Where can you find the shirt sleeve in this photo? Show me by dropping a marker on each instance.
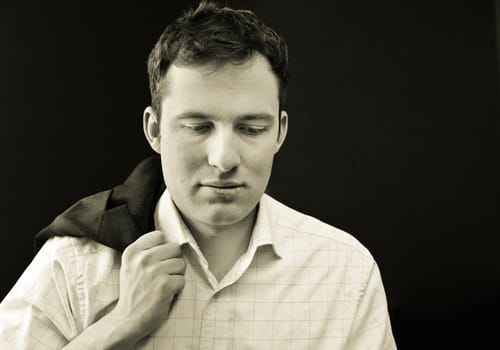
(39, 312)
(371, 327)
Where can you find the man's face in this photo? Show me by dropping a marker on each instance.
(218, 136)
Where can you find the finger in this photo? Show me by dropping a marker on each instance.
(149, 240)
(164, 251)
(176, 283)
(175, 266)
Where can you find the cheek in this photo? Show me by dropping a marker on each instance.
(261, 159)
(181, 160)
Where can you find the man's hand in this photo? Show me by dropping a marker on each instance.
(151, 274)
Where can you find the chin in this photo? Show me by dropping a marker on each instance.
(224, 216)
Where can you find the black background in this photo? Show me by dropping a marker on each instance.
(394, 136)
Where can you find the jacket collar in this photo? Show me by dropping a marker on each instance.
(115, 217)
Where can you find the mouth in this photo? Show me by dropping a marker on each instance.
(223, 185)
(226, 190)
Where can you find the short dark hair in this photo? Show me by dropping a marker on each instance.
(213, 33)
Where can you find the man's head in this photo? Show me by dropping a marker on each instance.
(219, 98)
(213, 34)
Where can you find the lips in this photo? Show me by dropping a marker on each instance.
(222, 184)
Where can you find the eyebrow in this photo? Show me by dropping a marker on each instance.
(205, 116)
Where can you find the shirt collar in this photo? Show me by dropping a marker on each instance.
(168, 220)
(265, 231)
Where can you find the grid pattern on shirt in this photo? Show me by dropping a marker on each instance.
(322, 292)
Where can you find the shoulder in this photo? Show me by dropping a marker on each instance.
(296, 226)
(68, 248)
(60, 285)
(80, 259)
(80, 264)
(84, 271)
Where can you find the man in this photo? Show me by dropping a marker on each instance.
(210, 262)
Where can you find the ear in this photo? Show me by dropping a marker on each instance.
(151, 126)
(283, 130)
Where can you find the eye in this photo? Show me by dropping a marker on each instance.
(252, 130)
(198, 128)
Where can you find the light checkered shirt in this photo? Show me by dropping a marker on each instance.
(302, 284)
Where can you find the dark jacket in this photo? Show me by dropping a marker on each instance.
(115, 217)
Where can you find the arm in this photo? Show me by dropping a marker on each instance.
(108, 333)
(371, 327)
(42, 310)
(25, 326)
(151, 274)
(36, 314)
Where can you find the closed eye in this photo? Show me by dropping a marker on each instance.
(252, 130)
(199, 128)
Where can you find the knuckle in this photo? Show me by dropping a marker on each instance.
(127, 253)
(136, 260)
(141, 260)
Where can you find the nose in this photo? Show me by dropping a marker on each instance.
(222, 151)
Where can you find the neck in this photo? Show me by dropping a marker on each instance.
(223, 245)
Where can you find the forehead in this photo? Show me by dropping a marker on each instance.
(223, 89)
